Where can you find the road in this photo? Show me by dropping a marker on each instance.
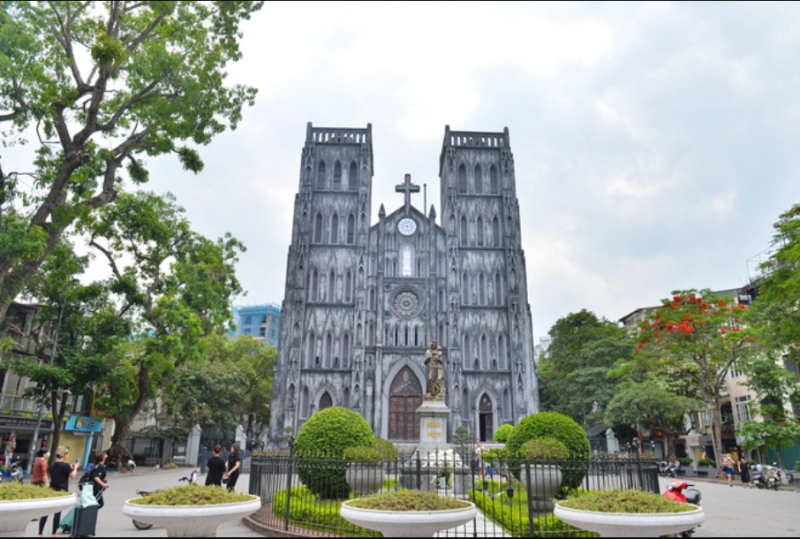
(112, 523)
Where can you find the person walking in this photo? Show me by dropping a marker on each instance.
(232, 466)
(216, 468)
(39, 472)
(727, 467)
(98, 475)
(60, 474)
(478, 460)
(744, 470)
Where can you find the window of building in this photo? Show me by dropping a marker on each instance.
(352, 178)
(496, 233)
(337, 176)
(335, 229)
(480, 231)
(736, 370)
(248, 320)
(318, 228)
(348, 288)
(464, 231)
(462, 179)
(465, 289)
(493, 182)
(351, 230)
(321, 175)
(743, 412)
(478, 180)
(481, 290)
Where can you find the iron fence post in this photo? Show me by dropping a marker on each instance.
(288, 484)
(419, 471)
(530, 497)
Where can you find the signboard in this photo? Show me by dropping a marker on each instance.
(24, 423)
(79, 423)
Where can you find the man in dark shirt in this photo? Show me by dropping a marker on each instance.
(99, 473)
(216, 468)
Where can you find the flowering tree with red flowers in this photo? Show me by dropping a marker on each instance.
(701, 329)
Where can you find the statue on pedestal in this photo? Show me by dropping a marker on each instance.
(433, 361)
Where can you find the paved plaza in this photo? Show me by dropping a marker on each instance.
(730, 512)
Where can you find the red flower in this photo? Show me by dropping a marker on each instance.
(722, 303)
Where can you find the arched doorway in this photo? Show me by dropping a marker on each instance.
(325, 401)
(486, 419)
(405, 396)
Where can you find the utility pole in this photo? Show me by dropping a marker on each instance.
(35, 440)
(427, 261)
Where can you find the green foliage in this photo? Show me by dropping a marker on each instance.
(312, 512)
(407, 500)
(461, 436)
(17, 491)
(386, 449)
(503, 432)
(561, 428)
(192, 495)
(154, 82)
(573, 375)
(552, 526)
(544, 450)
(707, 463)
(624, 501)
(685, 461)
(330, 432)
(362, 454)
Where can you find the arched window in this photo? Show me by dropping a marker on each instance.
(466, 353)
(498, 289)
(351, 230)
(464, 231)
(481, 290)
(501, 351)
(348, 288)
(304, 403)
(310, 349)
(327, 352)
(372, 304)
(331, 287)
(416, 336)
(478, 180)
(388, 267)
(506, 404)
(371, 334)
(346, 401)
(337, 176)
(335, 229)
(318, 228)
(440, 302)
(405, 336)
(352, 178)
(480, 232)
(466, 409)
(359, 335)
(484, 353)
(345, 351)
(407, 260)
(321, 175)
(496, 233)
(462, 179)
(314, 286)
(465, 289)
(325, 401)
(493, 183)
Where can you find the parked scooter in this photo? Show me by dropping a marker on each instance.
(665, 469)
(14, 473)
(676, 493)
(772, 476)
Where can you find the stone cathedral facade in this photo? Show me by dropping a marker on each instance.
(364, 299)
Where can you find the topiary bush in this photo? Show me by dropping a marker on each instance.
(561, 428)
(503, 433)
(387, 449)
(706, 463)
(325, 437)
(543, 450)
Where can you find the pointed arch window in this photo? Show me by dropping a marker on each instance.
(498, 289)
(481, 290)
(314, 286)
(465, 407)
(348, 288)
(337, 176)
(325, 401)
(480, 232)
(494, 184)
(304, 403)
(478, 180)
(318, 228)
(465, 289)
(310, 350)
(346, 350)
(372, 303)
(462, 179)
(466, 352)
(484, 353)
(351, 230)
(321, 175)
(440, 302)
(464, 231)
(335, 229)
(496, 232)
(327, 352)
(331, 287)
(501, 351)
(352, 178)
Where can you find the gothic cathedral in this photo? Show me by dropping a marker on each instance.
(363, 300)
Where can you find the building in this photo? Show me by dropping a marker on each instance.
(260, 321)
(363, 299)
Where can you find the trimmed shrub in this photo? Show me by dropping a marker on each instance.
(387, 449)
(503, 433)
(327, 435)
(707, 463)
(543, 449)
(308, 511)
(685, 461)
(362, 454)
(561, 428)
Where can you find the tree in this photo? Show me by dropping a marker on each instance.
(573, 376)
(769, 425)
(700, 330)
(103, 85)
(175, 287)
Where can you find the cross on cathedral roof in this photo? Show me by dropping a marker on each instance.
(407, 188)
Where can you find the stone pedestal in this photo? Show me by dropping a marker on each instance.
(433, 417)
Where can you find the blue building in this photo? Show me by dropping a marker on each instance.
(260, 321)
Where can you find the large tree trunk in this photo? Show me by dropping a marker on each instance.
(781, 465)
(118, 450)
(58, 409)
(719, 449)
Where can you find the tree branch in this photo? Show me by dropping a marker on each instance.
(111, 261)
(145, 33)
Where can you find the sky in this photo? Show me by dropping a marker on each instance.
(655, 144)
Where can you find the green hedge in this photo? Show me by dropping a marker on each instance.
(307, 510)
(503, 433)
(326, 435)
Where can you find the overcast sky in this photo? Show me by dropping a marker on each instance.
(655, 144)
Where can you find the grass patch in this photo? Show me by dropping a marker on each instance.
(192, 495)
(16, 492)
(408, 500)
(624, 501)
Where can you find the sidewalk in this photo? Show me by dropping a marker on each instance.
(737, 482)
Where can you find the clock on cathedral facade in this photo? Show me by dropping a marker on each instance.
(363, 300)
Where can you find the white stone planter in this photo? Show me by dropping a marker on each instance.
(16, 515)
(191, 520)
(545, 483)
(631, 525)
(364, 478)
(408, 523)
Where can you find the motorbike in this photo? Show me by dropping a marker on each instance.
(665, 469)
(680, 492)
(14, 473)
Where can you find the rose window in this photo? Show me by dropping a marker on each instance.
(406, 303)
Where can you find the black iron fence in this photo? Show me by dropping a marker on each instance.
(515, 497)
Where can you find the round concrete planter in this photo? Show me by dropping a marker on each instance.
(364, 478)
(631, 525)
(545, 483)
(191, 520)
(16, 515)
(408, 523)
